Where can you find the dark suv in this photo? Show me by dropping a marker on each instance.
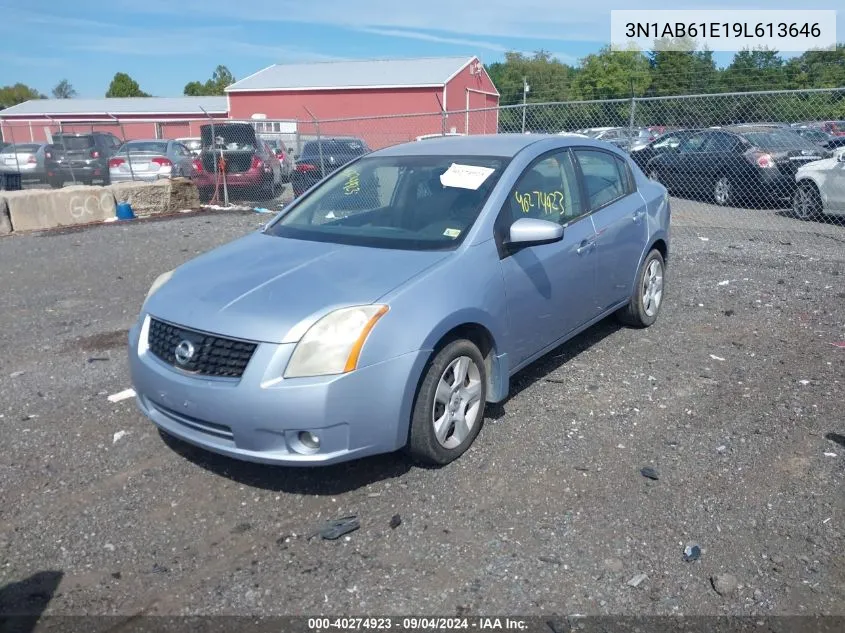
(82, 158)
(335, 153)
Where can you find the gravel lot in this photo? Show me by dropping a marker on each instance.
(734, 397)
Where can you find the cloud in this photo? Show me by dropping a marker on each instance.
(436, 39)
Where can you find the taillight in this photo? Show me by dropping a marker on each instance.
(116, 162)
(306, 167)
(31, 160)
(48, 155)
(95, 154)
(765, 161)
(162, 162)
(256, 163)
(197, 165)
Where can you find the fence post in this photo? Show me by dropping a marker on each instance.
(319, 141)
(128, 153)
(631, 121)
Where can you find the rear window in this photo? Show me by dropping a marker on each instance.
(777, 140)
(193, 145)
(22, 149)
(342, 148)
(145, 147)
(73, 142)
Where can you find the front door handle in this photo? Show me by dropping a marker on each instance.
(585, 247)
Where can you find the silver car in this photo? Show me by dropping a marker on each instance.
(385, 307)
(26, 158)
(151, 160)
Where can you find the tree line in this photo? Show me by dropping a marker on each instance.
(609, 74)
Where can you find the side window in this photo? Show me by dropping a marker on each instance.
(605, 176)
(693, 144)
(547, 190)
(670, 141)
(721, 143)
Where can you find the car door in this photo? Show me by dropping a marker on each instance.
(618, 215)
(549, 287)
(681, 163)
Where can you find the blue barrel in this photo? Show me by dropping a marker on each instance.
(124, 211)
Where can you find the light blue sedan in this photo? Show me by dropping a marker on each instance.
(385, 307)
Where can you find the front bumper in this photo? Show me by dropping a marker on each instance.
(259, 416)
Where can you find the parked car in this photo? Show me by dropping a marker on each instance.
(736, 162)
(250, 168)
(834, 143)
(284, 155)
(26, 159)
(814, 135)
(821, 188)
(83, 158)
(193, 143)
(664, 143)
(617, 136)
(151, 159)
(424, 137)
(363, 321)
(335, 153)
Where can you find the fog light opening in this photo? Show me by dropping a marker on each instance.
(309, 440)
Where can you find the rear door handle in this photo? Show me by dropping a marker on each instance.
(585, 247)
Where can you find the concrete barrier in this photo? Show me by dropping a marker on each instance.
(5, 222)
(161, 196)
(39, 209)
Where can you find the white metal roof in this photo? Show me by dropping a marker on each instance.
(131, 105)
(367, 73)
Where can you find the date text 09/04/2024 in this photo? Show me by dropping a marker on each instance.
(715, 30)
(416, 624)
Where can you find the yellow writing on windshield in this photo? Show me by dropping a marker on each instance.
(353, 182)
(547, 202)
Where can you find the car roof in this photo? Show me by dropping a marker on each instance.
(506, 145)
(742, 129)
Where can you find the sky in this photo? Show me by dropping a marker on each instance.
(164, 44)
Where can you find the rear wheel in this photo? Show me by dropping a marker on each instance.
(723, 191)
(449, 406)
(645, 305)
(807, 202)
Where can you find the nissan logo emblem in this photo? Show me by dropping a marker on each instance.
(184, 352)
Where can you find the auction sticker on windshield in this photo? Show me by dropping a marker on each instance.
(465, 176)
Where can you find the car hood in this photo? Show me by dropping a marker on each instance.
(260, 286)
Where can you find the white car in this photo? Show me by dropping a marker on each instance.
(821, 188)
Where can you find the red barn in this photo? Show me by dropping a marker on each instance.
(383, 101)
(129, 118)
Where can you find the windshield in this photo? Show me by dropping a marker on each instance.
(814, 135)
(778, 140)
(73, 142)
(403, 202)
(145, 147)
(339, 147)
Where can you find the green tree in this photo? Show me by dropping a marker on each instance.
(612, 74)
(681, 70)
(122, 85)
(761, 69)
(216, 86)
(18, 93)
(64, 90)
(818, 69)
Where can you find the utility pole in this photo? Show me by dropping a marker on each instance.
(525, 90)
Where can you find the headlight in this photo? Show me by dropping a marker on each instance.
(333, 344)
(159, 282)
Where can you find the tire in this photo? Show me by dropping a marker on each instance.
(54, 183)
(459, 411)
(723, 191)
(807, 202)
(640, 311)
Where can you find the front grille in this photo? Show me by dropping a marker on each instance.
(213, 355)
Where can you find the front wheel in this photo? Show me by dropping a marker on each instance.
(644, 306)
(449, 407)
(806, 202)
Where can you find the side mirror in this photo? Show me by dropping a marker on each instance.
(533, 232)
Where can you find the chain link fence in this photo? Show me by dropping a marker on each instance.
(750, 161)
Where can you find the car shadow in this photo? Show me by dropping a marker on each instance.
(349, 476)
(826, 218)
(22, 603)
(303, 480)
(542, 368)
